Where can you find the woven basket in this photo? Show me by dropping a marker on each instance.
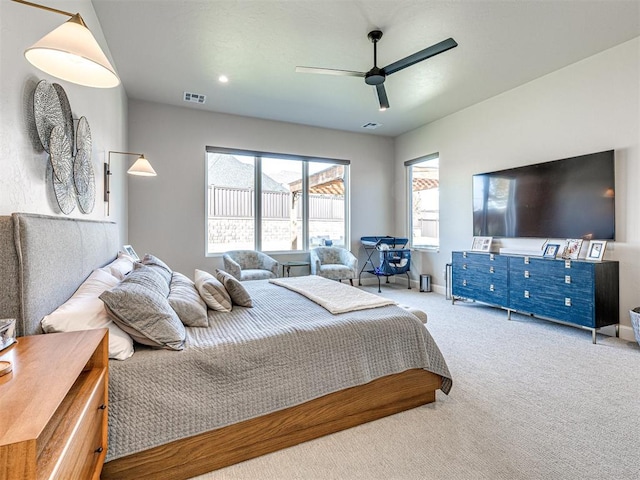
(635, 322)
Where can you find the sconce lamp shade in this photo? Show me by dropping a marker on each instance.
(142, 167)
(70, 52)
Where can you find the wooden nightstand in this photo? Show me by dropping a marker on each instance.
(53, 406)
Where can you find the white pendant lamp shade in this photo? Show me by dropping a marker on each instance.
(70, 52)
(142, 167)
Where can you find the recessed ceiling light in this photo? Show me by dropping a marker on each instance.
(223, 79)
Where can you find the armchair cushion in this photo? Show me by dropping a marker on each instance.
(334, 263)
(249, 265)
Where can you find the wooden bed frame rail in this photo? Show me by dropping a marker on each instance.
(226, 446)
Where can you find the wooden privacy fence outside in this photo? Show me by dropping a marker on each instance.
(239, 202)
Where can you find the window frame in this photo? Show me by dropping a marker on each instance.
(409, 199)
(306, 160)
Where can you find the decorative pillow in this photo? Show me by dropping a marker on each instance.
(187, 302)
(84, 311)
(142, 310)
(121, 266)
(237, 292)
(152, 277)
(162, 267)
(212, 292)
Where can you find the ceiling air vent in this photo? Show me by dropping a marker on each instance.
(194, 98)
(371, 125)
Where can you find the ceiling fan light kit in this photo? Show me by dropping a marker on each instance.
(376, 76)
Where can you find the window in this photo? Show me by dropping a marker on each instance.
(424, 207)
(274, 202)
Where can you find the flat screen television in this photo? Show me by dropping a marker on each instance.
(569, 198)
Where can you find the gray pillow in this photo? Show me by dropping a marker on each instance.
(159, 265)
(237, 292)
(150, 276)
(186, 301)
(212, 292)
(142, 310)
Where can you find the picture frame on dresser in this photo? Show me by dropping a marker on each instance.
(481, 244)
(596, 250)
(551, 250)
(572, 248)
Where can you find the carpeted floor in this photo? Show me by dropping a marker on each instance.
(530, 400)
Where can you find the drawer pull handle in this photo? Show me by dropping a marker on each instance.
(102, 407)
(492, 257)
(491, 270)
(526, 260)
(526, 294)
(567, 279)
(567, 302)
(464, 266)
(99, 450)
(491, 289)
(526, 274)
(567, 264)
(464, 254)
(464, 283)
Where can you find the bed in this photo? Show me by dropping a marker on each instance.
(254, 381)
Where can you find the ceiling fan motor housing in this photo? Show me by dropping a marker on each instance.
(375, 76)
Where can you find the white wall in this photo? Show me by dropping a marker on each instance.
(25, 180)
(587, 107)
(167, 212)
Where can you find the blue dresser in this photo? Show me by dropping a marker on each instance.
(576, 292)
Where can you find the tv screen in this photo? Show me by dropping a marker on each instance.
(569, 198)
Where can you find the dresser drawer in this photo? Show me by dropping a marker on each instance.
(74, 447)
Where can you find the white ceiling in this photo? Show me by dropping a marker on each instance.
(162, 48)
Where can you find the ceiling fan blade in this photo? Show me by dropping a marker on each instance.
(329, 71)
(428, 52)
(382, 96)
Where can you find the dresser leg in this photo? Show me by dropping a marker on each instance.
(593, 335)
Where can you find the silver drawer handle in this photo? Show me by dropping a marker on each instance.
(567, 264)
(526, 274)
(491, 270)
(567, 279)
(491, 289)
(526, 294)
(567, 302)
(464, 283)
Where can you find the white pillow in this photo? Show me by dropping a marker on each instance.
(120, 267)
(212, 291)
(85, 311)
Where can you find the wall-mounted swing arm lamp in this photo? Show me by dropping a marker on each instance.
(71, 52)
(141, 167)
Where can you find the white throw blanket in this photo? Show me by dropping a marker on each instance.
(336, 297)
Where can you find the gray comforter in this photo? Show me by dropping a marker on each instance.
(284, 351)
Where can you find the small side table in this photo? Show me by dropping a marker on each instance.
(288, 265)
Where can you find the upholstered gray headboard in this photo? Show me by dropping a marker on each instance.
(43, 260)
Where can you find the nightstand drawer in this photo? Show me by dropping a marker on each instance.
(84, 447)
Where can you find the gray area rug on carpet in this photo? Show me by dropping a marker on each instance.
(530, 400)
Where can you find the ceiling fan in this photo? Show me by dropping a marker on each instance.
(376, 76)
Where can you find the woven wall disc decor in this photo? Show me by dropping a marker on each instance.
(69, 150)
(62, 166)
(47, 111)
(83, 175)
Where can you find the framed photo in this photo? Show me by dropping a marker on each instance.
(572, 248)
(596, 250)
(551, 250)
(481, 244)
(128, 249)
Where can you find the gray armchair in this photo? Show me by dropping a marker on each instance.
(250, 265)
(334, 263)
